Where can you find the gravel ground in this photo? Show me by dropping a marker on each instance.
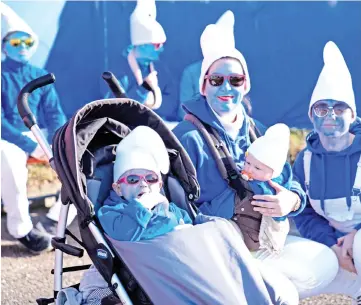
(26, 277)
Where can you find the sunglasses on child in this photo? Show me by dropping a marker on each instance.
(135, 179)
(216, 80)
(322, 109)
(16, 42)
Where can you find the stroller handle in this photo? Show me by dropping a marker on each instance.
(23, 105)
(29, 118)
(114, 84)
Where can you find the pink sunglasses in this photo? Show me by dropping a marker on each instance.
(135, 179)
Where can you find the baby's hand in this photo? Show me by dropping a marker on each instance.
(150, 200)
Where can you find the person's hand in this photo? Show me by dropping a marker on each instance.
(346, 243)
(154, 97)
(277, 205)
(346, 261)
(39, 154)
(150, 200)
(152, 79)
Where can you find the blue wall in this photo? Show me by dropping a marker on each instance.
(282, 43)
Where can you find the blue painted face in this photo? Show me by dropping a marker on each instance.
(226, 98)
(146, 53)
(19, 46)
(335, 122)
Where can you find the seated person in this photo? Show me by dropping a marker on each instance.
(19, 43)
(135, 209)
(266, 163)
(329, 170)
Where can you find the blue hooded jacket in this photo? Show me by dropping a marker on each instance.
(217, 197)
(332, 175)
(43, 102)
(131, 221)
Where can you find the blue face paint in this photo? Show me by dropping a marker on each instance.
(21, 53)
(332, 125)
(147, 53)
(225, 98)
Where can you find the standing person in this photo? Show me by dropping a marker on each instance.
(19, 43)
(329, 170)
(144, 77)
(223, 83)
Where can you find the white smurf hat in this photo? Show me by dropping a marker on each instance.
(335, 80)
(11, 22)
(217, 41)
(272, 148)
(143, 148)
(144, 28)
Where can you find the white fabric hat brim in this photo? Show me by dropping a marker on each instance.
(212, 58)
(143, 148)
(11, 22)
(144, 28)
(272, 148)
(334, 81)
(217, 41)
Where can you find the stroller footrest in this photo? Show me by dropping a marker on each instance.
(59, 243)
(44, 301)
(74, 268)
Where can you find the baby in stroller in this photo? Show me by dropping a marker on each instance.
(136, 202)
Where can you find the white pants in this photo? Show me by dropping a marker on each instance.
(14, 176)
(311, 266)
(346, 282)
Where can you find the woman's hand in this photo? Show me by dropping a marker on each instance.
(346, 243)
(278, 205)
(345, 261)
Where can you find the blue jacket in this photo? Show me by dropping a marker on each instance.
(332, 175)
(170, 109)
(43, 102)
(131, 221)
(264, 188)
(217, 197)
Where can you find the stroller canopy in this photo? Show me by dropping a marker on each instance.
(101, 124)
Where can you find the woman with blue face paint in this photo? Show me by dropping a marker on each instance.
(19, 43)
(329, 170)
(143, 76)
(223, 83)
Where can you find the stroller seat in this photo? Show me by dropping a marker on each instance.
(100, 178)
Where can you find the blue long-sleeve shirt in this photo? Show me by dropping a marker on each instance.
(43, 102)
(217, 197)
(131, 221)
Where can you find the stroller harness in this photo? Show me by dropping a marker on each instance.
(248, 220)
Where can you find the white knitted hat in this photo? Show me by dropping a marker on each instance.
(144, 27)
(11, 22)
(272, 148)
(217, 41)
(335, 80)
(142, 148)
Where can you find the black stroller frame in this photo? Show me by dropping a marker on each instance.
(74, 190)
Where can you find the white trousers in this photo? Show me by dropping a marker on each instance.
(346, 282)
(311, 266)
(14, 176)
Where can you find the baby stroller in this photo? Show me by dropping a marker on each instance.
(82, 154)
